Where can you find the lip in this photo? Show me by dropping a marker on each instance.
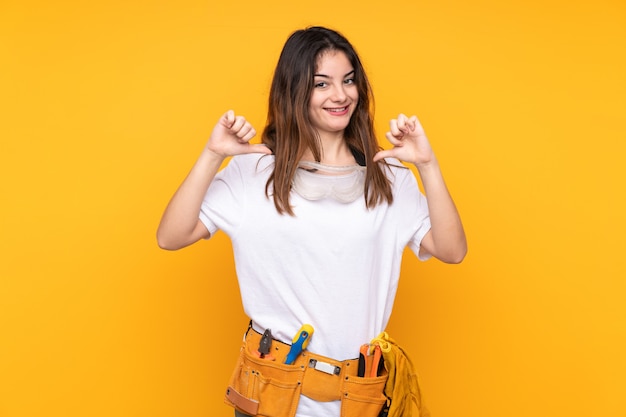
(337, 111)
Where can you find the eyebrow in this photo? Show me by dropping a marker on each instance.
(328, 76)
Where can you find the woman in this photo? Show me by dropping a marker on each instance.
(318, 214)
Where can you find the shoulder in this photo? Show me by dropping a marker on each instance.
(252, 163)
(394, 164)
(402, 178)
(396, 170)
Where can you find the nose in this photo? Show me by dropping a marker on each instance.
(339, 93)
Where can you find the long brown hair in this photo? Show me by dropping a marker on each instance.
(289, 131)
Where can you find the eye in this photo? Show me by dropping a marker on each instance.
(320, 84)
(348, 81)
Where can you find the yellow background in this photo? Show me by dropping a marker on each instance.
(106, 105)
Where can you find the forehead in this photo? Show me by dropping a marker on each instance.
(333, 59)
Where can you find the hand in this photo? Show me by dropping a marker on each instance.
(409, 141)
(231, 136)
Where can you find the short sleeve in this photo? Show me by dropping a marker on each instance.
(222, 204)
(413, 208)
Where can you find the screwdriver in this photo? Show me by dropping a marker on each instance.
(299, 343)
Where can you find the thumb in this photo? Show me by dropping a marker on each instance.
(382, 154)
(257, 148)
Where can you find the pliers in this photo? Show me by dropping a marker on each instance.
(369, 359)
(263, 351)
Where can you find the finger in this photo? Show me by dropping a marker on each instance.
(228, 119)
(403, 123)
(247, 133)
(242, 130)
(418, 125)
(412, 123)
(393, 128)
(239, 122)
(394, 140)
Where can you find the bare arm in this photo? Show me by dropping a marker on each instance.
(446, 239)
(180, 225)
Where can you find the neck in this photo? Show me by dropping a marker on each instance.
(334, 151)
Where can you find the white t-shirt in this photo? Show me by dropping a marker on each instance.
(333, 265)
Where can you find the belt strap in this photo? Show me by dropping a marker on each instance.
(248, 405)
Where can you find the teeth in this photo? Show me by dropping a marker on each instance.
(337, 110)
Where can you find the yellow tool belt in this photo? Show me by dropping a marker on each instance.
(268, 387)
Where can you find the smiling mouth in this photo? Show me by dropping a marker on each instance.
(337, 110)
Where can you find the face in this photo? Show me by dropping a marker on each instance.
(334, 95)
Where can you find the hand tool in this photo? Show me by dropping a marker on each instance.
(362, 361)
(263, 351)
(299, 343)
(375, 361)
(369, 360)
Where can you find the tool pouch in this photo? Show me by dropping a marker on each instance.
(363, 397)
(269, 388)
(261, 387)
